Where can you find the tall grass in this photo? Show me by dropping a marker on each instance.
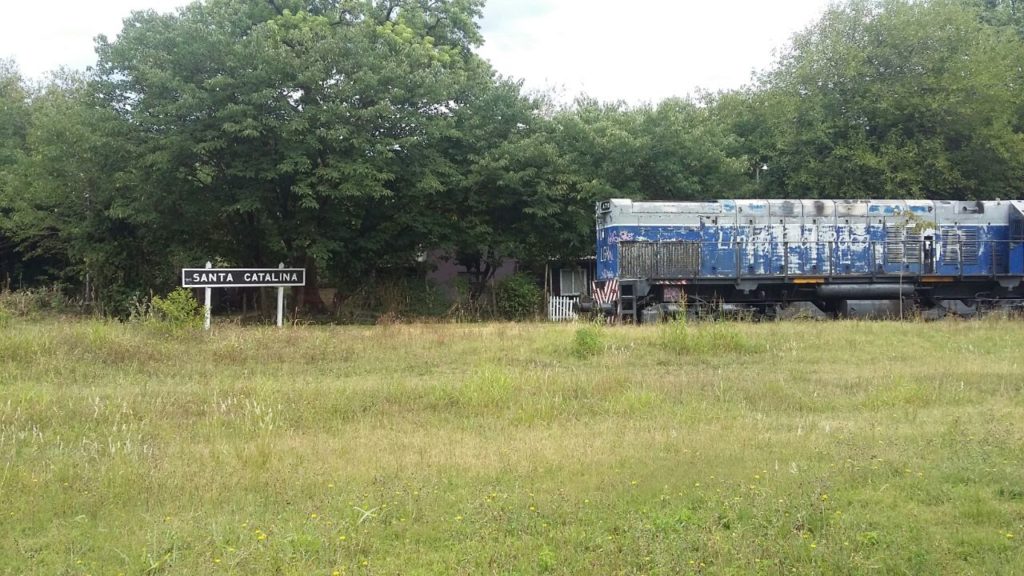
(841, 447)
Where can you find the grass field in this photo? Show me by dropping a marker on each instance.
(824, 448)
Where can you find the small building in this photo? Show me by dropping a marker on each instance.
(565, 283)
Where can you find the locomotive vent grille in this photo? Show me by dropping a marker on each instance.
(902, 244)
(676, 259)
(970, 245)
(960, 246)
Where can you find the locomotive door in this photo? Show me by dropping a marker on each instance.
(928, 254)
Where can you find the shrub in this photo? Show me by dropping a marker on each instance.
(38, 301)
(178, 310)
(518, 297)
(587, 342)
(390, 300)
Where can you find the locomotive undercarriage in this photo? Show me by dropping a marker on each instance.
(782, 298)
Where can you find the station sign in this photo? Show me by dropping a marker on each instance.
(242, 277)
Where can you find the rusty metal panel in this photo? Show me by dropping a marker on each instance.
(678, 259)
(636, 259)
(674, 259)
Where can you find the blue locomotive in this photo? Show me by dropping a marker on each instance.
(843, 257)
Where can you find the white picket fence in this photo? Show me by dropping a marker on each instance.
(560, 308)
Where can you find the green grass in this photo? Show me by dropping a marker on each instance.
(837, 448)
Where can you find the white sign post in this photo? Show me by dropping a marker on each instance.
(280, 302)
(210, 278)
(208, 309)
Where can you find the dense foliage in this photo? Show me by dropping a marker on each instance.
(351, 136)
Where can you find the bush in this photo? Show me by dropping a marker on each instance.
(518, 298)
(178, 310)
(390, 300)
(38, 301)
(587, 342)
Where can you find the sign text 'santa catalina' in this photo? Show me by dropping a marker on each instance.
(237, 277)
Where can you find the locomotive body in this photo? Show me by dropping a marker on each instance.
(839, 255)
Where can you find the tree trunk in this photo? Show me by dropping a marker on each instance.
(308, 296)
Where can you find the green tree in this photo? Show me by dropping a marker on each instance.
(68, 197)
(892, 99)
(14, 98)
(300, 131)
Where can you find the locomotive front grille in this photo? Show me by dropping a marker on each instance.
(676, 259)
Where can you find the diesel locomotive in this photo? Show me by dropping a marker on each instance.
(838, 257)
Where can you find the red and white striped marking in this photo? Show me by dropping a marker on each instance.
(607, 293)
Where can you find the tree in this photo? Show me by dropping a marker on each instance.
(894, 99)
(67, 196)
(286, 130)
(13, 129)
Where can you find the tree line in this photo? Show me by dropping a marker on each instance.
(352, 136)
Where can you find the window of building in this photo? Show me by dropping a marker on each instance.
(573, 281)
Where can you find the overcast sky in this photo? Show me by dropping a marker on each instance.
(612, 50)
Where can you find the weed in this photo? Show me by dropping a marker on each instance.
(706, 338)
(587, 342)
(179, 310)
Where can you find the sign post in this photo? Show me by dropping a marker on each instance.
(208, 308)
(280, 302)
(210, 278)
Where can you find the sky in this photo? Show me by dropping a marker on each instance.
(610, 50)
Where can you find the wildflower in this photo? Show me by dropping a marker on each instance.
(632, 483)
(341, 538)
(313, 516)
(1009, 535)
(458, 518)
(216, 560)
(336, 573)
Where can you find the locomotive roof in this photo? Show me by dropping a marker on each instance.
(806, 206)
(668, 212)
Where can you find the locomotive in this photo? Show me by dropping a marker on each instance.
(854, 258)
